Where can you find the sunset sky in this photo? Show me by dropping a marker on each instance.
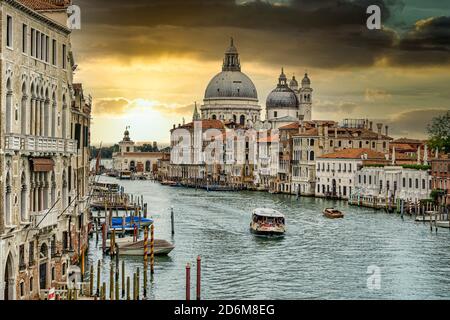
(145, 62)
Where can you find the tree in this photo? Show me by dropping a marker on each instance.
(439, 132)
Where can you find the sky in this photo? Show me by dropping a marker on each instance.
(146, 62)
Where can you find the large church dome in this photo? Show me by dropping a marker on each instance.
(231, 95)
(282, 96)
(231, 85)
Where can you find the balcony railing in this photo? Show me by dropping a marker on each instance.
(45, 219)
(16, 142)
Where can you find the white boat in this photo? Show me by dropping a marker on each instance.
(427, 217)
(119, 241)
(443, 224)
(162, 247)
(268, 222)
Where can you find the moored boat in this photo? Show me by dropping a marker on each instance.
(143, 222)
(268, 222)
(333, 213)
(169, 183)
(161, 247)
(443, 224)
(125, 175)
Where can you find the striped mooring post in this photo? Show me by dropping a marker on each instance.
(152, 249)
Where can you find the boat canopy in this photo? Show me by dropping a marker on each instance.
(270, 213)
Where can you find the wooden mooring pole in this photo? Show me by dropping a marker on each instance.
(152, 249)
(172, 222)
(199, 272)
(188, 282)
(98, 278)
(145, 260)
(91, 281)
(123, 278)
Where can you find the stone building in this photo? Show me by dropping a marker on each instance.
(440, 171)
(41, 172)
(386, 184)
(336, 172)
(130, 159)
(317, 138)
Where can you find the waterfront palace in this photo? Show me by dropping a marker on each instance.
(44, 141)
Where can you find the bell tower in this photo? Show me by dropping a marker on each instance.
(126, 145)
(305, 97)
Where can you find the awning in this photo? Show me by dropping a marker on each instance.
(42, 164)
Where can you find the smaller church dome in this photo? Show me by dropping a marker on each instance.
(282, 96)
(306, 82)
(293, 84)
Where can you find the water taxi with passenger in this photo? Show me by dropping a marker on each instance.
(268, 222)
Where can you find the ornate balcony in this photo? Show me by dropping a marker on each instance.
(17, 142)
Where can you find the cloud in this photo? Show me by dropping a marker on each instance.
(114, 106)
(373, 95)
(333, 108)
(427, 44)
(269, 32)
(412, 123)
(121, 106)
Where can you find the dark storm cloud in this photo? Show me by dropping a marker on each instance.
(316, 33)
(412, 123)
(428, 43)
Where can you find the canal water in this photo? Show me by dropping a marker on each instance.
(318, 258)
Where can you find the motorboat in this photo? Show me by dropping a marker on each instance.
(143, 222)
(268, 222)
(125, 175)
(126, 248)
(332, 213)
(169, 183)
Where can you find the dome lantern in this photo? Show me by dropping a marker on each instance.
(231, 61)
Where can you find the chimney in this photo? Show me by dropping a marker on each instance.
(371, 126)
(393, 156)
(418, 155)
(387, 130)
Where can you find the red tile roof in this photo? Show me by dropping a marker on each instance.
(290, 126)
(354, 154)
(45, 4)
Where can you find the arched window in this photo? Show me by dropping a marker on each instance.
(46, 120)
(242, 120)
(311, 156)
(8, 214)
(132, 165)
(214, 117)
(9, 106)
(24, 110)
(32, 111)
(64, 118)
(148, 166)
(234, 118)
(23, 198)
(64, 190)
(53, 190)
(53, 121)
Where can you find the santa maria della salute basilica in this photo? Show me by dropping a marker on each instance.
(231, 96)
